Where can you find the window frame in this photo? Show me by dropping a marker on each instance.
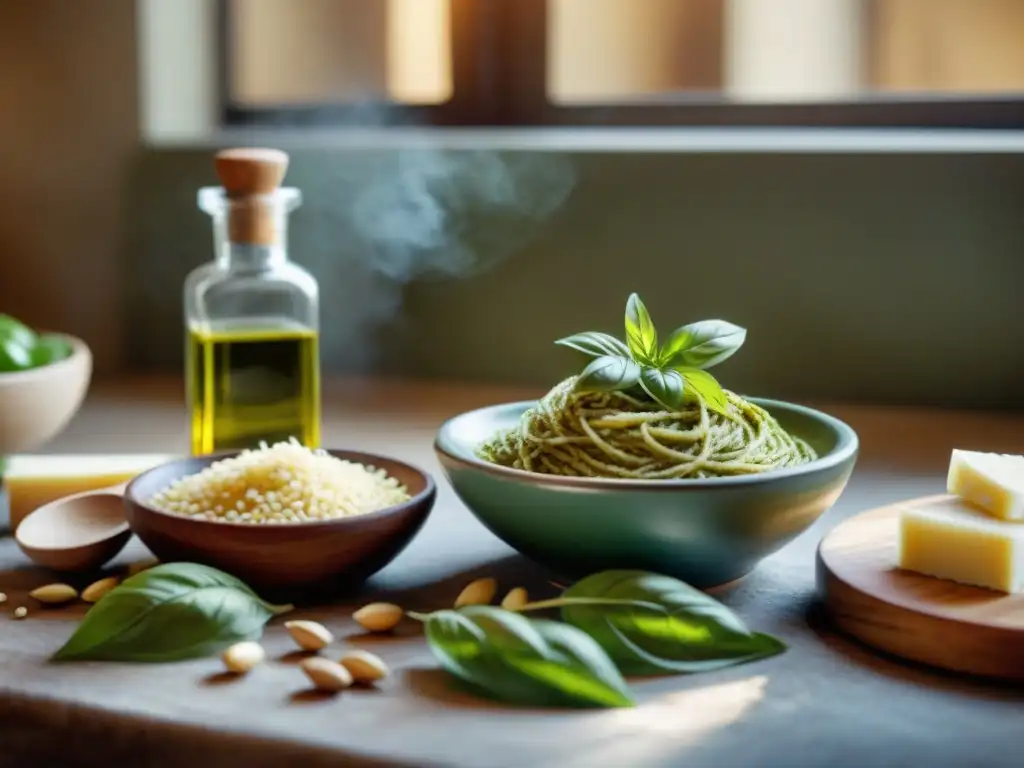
(499, 80)
(481, 34)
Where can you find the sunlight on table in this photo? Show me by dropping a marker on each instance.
(673, 720)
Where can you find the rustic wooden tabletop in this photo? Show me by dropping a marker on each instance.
(827, 701)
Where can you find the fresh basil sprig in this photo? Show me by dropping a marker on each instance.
(669, 373)
(508, 657)
(614, 623)
(653, 624)
(170, 612)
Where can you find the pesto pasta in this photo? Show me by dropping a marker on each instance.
(615, 434)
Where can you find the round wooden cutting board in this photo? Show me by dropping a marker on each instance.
(933, 621)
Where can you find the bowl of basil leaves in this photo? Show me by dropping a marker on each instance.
(43, 381)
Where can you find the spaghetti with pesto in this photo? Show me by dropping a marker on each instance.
(617, 435)
(648, 411)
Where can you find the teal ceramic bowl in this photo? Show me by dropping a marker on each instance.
(705, 532)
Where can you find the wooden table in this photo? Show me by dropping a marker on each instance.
(826, 701)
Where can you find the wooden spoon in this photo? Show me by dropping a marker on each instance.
(80, 532)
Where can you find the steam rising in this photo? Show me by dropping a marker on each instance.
(454, 212)
(410, 212)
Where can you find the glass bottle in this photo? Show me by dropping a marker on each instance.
(251, 316)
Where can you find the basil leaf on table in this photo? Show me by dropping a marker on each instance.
(170, 612)
(655, 624)
(510, 658)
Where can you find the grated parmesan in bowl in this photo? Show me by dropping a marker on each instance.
(280, 484)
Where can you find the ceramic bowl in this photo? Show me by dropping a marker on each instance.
(36, 405)
(705, 532)
(330, 553)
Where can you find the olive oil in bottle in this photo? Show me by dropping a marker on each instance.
(252, 326)
(253, 383)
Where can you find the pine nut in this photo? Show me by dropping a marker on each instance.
(242, 657)
(479, 592)
(326, 675)
(309, 635)
(378, 617)
(364, 666)
(515, 599)
(54, 594)
(98, 589)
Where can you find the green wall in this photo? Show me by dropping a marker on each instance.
(870, 277)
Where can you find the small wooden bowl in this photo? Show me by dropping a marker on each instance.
(283, 557)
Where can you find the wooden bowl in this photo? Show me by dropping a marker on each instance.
(35, 405)
(282, 557)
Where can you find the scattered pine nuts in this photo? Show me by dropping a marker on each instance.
(98, 589)
(515, 599)
(364, 667)
(326, 675)
(54, 594)
(3, 597)
(20, 612)
(242, 657)
(378, 617)
(309, 635)
(479, 592)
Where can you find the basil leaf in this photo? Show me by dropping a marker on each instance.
(170, 612)
(595, 344)
(507, 657)
(706, 386)
(17, 331)
(641, 336)
(608, 374)
(667, 627)
(13, 355)
(49, 349)
(665, 387)
(702, 345)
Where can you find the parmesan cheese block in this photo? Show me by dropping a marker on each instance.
(949, 539)
(993, 482)
(34, 480)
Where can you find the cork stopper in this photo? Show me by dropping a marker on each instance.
(250, 178)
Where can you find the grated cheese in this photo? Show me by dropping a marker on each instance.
(282, 483)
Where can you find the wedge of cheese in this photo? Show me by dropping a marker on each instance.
(993, 482)
(34, 480)
(950, 539)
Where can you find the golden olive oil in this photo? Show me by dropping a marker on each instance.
(249, 383)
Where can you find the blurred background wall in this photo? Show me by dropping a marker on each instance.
(883, 276)
(68, 138)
